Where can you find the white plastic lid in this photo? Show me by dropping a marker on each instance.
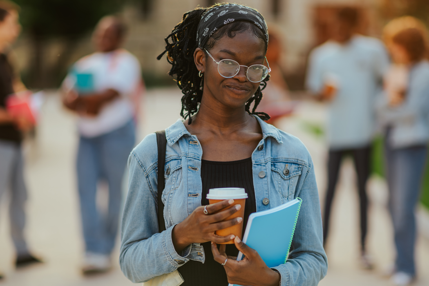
(226, 194)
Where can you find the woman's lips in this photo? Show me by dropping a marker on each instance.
(237, 89)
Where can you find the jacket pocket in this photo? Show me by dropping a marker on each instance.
(285, 177)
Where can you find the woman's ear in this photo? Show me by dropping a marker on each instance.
(200, 60)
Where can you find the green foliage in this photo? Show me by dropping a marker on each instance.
(60, 18)
(377, 157)
(313, 128)
(425, 190)
(152, 80)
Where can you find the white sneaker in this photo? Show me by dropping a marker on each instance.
(402, 279)
(95, 263)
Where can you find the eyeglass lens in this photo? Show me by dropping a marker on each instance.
(230, 68)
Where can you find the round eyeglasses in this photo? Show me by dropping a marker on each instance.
(230, 68)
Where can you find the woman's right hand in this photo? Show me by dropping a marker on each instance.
(396, 98)
(200, 227)
(71, 100)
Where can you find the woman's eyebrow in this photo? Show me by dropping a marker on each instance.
(234, 54)
(228, 52)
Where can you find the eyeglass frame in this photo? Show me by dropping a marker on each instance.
(247, 76)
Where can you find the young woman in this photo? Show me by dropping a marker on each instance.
(218, 59)
(404, 114)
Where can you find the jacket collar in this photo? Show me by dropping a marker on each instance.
(269, 130)
(178, 130)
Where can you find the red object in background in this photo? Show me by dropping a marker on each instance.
(19, 105)
(279, 109)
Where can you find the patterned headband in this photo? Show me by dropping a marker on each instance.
(221, 15)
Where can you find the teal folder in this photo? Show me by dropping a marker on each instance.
(84, 82)
(270, 232)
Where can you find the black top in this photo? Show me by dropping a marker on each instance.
(220, 175)
(8, 131)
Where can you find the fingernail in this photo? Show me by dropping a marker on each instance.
(232, 237)
(239, 219)
(231, 201)
(237, 239)
(238, 207)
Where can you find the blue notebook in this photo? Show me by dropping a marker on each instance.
(84, 82)
(270, 232)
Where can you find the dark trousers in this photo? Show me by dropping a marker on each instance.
(362, 162)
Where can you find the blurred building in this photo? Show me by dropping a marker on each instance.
(303, 23)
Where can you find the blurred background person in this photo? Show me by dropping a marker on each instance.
(345, 72)
(276, 100)
(11, 127)
(403, 111)
(101, 89)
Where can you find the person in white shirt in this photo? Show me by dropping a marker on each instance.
(346, 72)
(106, 114)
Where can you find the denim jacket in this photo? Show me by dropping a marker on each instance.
(410, 120)
(282, 171)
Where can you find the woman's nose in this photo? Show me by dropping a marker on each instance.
(241, 76)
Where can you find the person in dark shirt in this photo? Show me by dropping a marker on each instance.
(12, 163)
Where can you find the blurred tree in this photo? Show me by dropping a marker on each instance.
(65, 20)
(396, 8)
(146, 8)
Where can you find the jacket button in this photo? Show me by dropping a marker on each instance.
(168, 171)
(260, 147)
(265, 201)
(261, 174)
(180, 262)
(286, 172)
(194, 142)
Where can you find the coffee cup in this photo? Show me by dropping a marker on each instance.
(239, 196)
(331, 85)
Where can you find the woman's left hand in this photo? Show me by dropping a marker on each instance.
(396, 99)
(252, 270)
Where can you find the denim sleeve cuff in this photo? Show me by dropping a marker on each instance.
(173, 257)
(284, 275)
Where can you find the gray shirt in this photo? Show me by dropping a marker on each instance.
(357, 67)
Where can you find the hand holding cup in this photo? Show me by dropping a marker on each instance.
(200, 227)
(239, 196)
(330, 87)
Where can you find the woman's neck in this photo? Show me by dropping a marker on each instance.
(222, 120)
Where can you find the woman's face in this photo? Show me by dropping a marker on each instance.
(246, 49)
(399, 53)
(9, 28)
(106, 37)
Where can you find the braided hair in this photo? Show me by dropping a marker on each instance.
(180, 47)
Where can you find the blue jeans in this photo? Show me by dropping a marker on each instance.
(12, 180)
(102, 158)
(404, 168)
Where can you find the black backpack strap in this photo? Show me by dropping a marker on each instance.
(162, 145)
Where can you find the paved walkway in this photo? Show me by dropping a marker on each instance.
(54, 229)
